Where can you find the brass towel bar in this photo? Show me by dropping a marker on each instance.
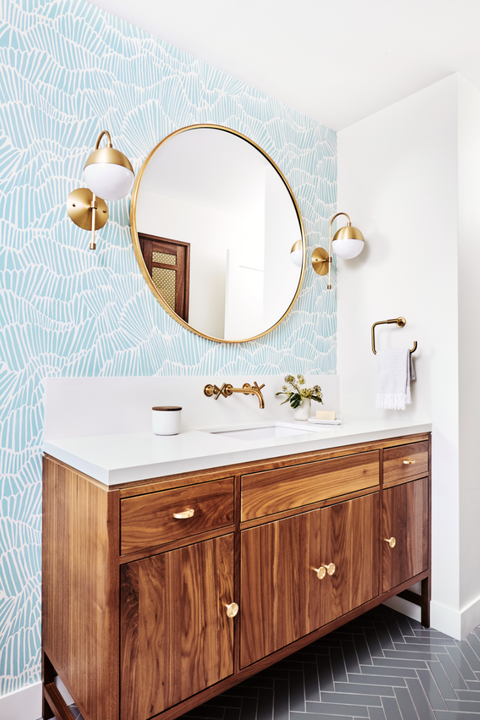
(400, 321)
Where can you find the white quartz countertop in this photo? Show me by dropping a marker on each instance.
(128, 457)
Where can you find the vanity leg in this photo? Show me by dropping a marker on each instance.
(425, 618)
(53, 704)
(48, 677)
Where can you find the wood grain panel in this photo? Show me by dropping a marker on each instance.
(274, 491)
(348, 538)
(176, 638)
(80, 588)
(405, 517)
(282, 598)
(147, 520)
(405, 462)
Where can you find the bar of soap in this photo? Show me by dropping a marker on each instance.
(326, 415)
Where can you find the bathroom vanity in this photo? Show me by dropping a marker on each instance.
(160, 593)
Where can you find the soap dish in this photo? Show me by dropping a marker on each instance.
(325, 422)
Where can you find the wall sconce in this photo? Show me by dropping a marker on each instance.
(109, 174)
(348, 242)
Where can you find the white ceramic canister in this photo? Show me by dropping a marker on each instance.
(166, 419)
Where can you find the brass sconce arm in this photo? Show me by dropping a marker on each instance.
(226, 390)
(349, 237)
(320, 259)
(84, 206)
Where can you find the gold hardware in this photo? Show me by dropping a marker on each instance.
(108, 154)
(138, 251)
(226, 390)
(185, 514)
(321, 572)
(330, 568)
(86, 209)
(391, 541)
(409, 462)
(400, 321)
(321, 260)
(232, 610)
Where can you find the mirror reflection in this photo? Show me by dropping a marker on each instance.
(213, 224)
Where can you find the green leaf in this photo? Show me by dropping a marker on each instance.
(295, 400)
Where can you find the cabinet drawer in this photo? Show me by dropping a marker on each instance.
(405, 462)
(274, 491)
(148, 520)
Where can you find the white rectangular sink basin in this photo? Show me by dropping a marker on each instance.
(276, 430)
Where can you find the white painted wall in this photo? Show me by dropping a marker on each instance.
(210, 233)
(469, 339)
(398, 179)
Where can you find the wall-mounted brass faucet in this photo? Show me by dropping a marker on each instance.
(226, 390)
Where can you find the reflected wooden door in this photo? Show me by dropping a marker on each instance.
(176, 638)
(405, 518)
(168, 263)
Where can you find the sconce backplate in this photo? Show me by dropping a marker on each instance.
(80, 210)
(320, 261)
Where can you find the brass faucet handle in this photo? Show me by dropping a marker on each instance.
(219, 391)
(261, 386)
(210, 390)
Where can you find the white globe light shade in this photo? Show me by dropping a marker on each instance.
(108, 180)
(296, 257)
(348, 248)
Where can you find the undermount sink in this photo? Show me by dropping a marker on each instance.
(276, 430)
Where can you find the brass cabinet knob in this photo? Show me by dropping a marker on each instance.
(321, 572)
(330, 568)
(185, 514)
(391, 541)
(232, 610)
(409, 462)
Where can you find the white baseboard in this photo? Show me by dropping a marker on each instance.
(456, 623)
(26, 704)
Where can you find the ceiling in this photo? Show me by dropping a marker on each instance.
(336, 61)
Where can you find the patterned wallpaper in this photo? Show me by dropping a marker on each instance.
(69, 70)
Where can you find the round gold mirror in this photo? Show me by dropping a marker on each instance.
(217, 232)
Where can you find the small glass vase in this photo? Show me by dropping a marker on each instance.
(302, 412)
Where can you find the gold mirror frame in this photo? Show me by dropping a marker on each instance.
(139, 254)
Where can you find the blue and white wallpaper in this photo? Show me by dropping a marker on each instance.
(69, 70)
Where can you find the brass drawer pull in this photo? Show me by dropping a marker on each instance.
(391, 541)
(183, 515)
(232, 610)
(409, 462)
(330, 568)
(321, 572)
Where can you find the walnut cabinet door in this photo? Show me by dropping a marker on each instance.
(176, 638)
(300, 573)
(405, 532)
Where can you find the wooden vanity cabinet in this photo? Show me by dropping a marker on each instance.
(141, 581)
(176, 638)
(405, 518)
(287, 590)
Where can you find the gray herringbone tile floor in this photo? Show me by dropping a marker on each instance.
(381, 666)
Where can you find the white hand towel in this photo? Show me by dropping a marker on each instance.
(394, 372)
